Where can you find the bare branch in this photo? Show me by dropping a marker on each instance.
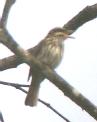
(16, 85)
(54, 110)
(11, 61)
(6, 10)
(87, 14)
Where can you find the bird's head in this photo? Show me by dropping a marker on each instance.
(59, 33)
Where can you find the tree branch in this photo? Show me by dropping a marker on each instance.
(87, 14)
(7, 7)
(16, 85)
(26, 57)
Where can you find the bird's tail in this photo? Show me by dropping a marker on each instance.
(32, 96)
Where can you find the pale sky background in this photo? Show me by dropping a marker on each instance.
(29, 21)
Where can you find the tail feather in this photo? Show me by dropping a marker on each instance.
(32, 96)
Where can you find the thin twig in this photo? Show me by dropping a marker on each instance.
(54, 110)
(13, 84)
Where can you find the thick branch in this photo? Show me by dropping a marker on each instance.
(87, 14)
(11, 61)
(6, 10)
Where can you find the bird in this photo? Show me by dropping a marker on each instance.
(49, 52)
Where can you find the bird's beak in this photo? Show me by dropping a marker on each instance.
(71, 37)
(68, 36)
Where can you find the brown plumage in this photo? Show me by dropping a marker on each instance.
(49, 51)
